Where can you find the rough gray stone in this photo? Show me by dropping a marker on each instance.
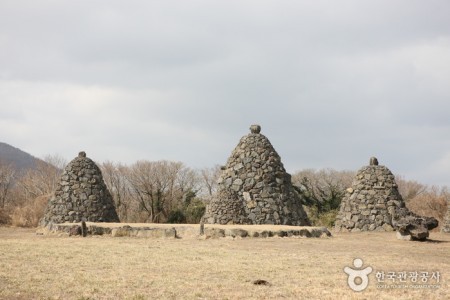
(404, 237)
(254, 187)
(236, 233)
(83, 229)
(373, 161)
(255, 129)
(75, 230)
(408, 223)
(143, 232)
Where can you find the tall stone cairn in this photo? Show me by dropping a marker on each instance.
(254, 187)
(446, 226)
(81, 195)
(373, 203)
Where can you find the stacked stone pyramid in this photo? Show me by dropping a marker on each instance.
(373, 203)
(254, 187)
(81, 195)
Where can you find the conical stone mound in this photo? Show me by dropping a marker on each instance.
(81, 195)
(254, 187)
(374, 203)
(371, 201)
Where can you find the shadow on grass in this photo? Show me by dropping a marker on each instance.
(431, 241)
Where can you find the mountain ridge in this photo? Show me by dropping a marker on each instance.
(19, 159)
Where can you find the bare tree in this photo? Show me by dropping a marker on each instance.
(323, 188)
(33, 189)
(7, 176)
(159, 187)
(209, 178)
(56, 160)
(115, 179)
(42, 179)
(431, 203)
(188, 180)
(409, 189)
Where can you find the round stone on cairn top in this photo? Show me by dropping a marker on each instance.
(255, 128)
(373, 161)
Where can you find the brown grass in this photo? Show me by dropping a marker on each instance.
(49, 267)
(29, 214)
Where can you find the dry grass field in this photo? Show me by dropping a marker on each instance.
(50, 267)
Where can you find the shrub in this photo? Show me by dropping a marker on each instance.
(326, 219)
(176, 217)
(195, 211)
(4, 217)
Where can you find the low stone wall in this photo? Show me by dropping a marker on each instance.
(308, 232)
(184, 230)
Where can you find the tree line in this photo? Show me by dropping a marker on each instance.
(323, 190)
(159, 191)
(146, 191)
(171, 192)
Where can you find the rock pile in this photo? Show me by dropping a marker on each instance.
(254, 187)
(81, 195)
(374, 203)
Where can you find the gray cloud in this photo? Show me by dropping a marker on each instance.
(331, 83)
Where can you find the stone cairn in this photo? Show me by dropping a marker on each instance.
(81, 195)
(254, 187)
(373, 203)
(446, 227)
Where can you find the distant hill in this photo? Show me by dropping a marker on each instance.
(19, 159)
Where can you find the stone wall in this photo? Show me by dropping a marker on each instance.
(81, 195)
(184, 231)
(254, 187)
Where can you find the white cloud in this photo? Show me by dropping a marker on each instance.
(331, 83)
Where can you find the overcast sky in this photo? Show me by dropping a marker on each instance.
(332, 83)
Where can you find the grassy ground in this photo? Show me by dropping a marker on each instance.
(46, 267)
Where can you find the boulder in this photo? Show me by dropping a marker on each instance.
(410, 224)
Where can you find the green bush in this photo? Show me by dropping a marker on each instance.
(194, 211)
(326, 219)
(176, 217)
